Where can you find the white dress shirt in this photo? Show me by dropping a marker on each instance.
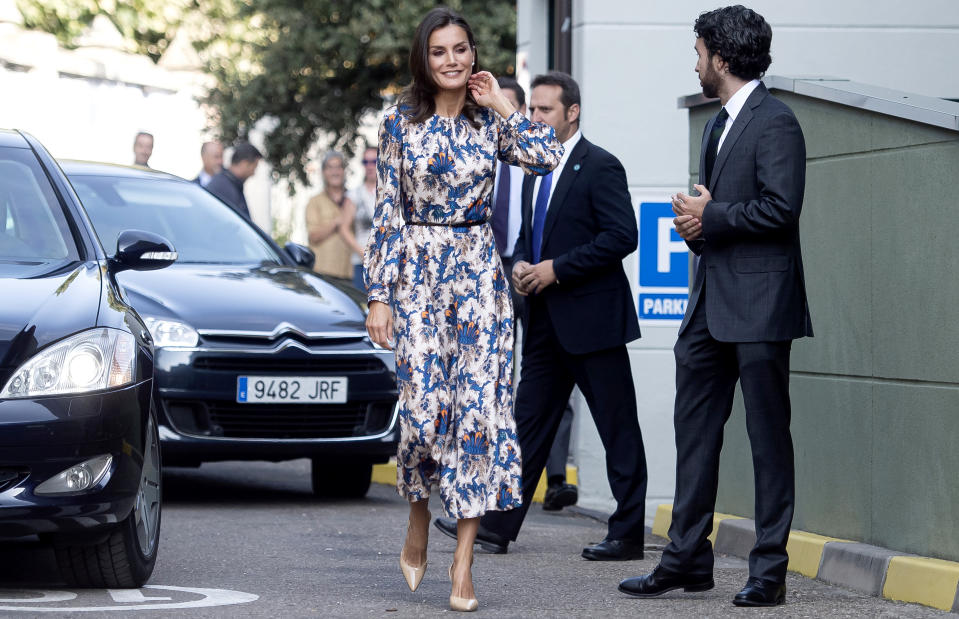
(734, 106)
(515, 216)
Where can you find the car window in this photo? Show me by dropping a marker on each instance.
(201, 228)
(33, 225)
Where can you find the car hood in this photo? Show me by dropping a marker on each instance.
(242, 298)
(44, 307)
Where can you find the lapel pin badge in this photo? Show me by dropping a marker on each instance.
(576, 168)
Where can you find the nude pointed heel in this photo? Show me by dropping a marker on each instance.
(412, 573)
(465, 605)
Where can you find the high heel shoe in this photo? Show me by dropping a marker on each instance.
(413, 574)
(466, 605)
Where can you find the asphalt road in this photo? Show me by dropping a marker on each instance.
(249, 540)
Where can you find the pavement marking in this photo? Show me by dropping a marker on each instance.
(917, 579)
(210, 597)
(131, 596)
(44, 596)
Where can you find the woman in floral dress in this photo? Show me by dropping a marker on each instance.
(437, 288)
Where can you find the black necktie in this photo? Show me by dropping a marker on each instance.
(712, 147)
(500, 220)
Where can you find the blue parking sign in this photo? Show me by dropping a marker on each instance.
(663, 265)
(663, 255)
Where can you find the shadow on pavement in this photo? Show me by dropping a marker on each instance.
(248, 483)
(28, 564)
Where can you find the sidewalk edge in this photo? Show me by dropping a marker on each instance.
(872, 570)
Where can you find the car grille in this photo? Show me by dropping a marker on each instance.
(310, 365)
(279, 421)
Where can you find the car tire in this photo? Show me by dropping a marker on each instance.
(126, 557)
(348, 479)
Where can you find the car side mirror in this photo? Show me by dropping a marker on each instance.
(302, 256)
(139, 250)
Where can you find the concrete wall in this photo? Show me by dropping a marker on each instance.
(876, 393)
(633, 58)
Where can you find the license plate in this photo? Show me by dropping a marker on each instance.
(291, 389)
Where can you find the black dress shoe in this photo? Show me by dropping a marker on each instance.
(487, 540)
(661, 580)
(761, 592)
(560, 496)
(614, 550)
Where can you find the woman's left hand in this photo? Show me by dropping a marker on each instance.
(486, 92)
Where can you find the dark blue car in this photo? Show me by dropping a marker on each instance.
(257, 357)
(79, 445)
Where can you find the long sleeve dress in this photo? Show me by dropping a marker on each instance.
(450, 300)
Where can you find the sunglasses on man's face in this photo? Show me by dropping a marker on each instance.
(369, 161)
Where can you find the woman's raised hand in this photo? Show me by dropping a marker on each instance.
(486, 92)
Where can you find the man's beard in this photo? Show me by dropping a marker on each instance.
(710, 83)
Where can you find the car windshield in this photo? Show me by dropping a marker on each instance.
(201, 228)
(34, 229)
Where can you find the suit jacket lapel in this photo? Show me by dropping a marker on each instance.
(742, 119)
(702, 150)
(570, 172)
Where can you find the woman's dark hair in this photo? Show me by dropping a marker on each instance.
(418, 97)
(740, 36)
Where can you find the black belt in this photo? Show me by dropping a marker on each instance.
(462, 224)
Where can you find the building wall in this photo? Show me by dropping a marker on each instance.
(634, 58)
(875, 393)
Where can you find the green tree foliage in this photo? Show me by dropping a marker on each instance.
(148, 24)
(309, 67)
(318, 66)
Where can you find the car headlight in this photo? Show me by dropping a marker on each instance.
(89, 361)
(167, 333)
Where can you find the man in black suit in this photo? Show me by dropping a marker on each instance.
(747, 304)
(578, 225)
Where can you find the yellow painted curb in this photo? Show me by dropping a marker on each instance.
(805, 552)
(386, 474)
(664, 518)
(932, 582)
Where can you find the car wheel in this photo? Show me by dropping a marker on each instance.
(341, 479)
(125, 559)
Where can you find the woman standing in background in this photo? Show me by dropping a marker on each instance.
(329, 223)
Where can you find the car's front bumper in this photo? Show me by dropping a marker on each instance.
(202, 421)
(41, 437)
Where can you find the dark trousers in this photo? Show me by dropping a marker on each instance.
(706, 375)
(547, 377)
(559, 452)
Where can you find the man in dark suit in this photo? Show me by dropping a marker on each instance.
(578, 225)
(227, 184)
(211, 154)
(747, 304)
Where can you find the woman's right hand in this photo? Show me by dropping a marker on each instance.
(379, 324)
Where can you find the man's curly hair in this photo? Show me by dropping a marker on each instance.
(740, 36)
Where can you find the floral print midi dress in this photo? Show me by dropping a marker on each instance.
(452, 313)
